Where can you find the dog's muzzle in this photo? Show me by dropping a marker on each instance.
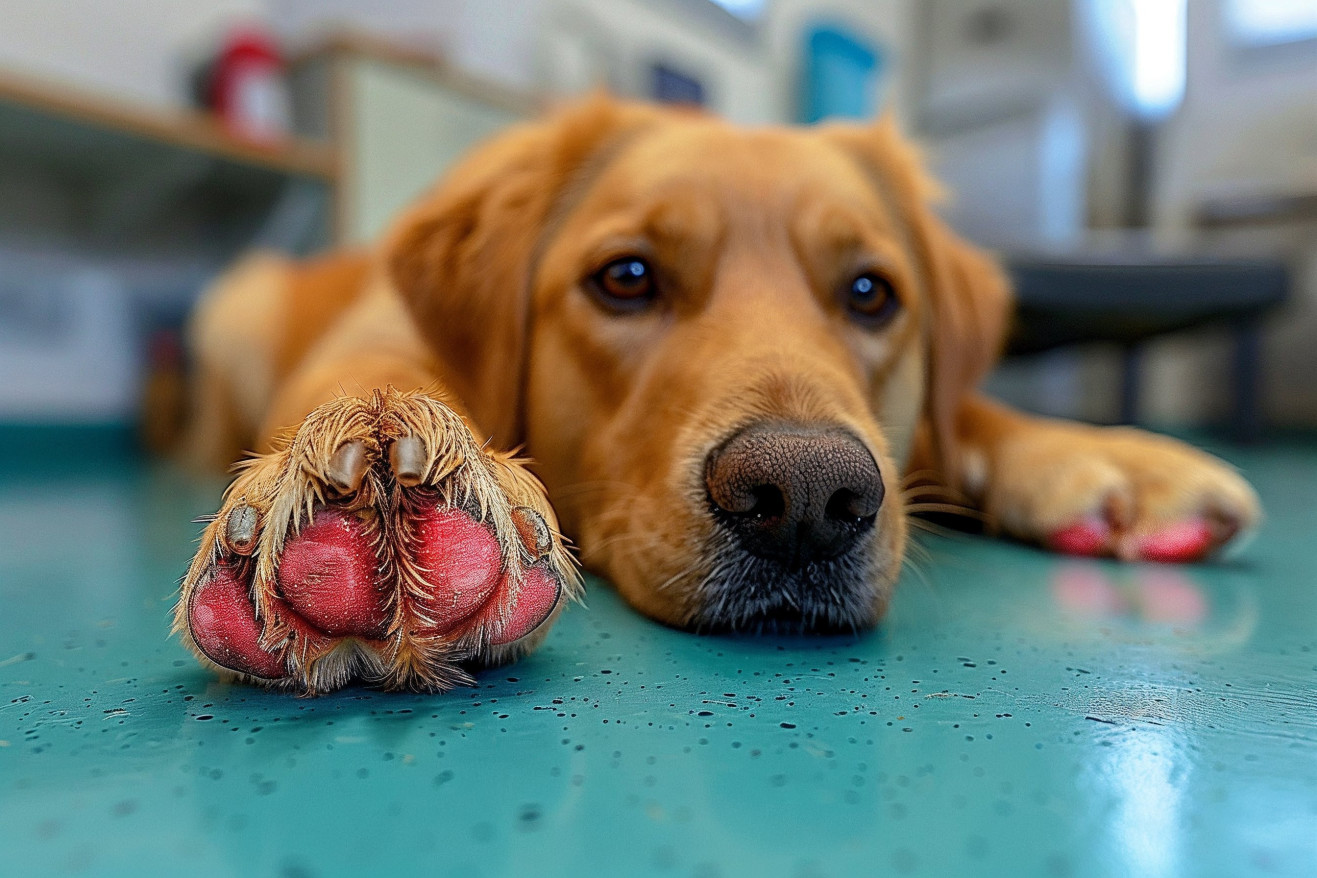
(795, 508)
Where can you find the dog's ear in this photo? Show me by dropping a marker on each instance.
(969, 296)
(462, 257)
(970, 314)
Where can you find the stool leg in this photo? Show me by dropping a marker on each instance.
(1247, 424)
(1131, 360)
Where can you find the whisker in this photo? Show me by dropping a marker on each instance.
(601, 485)
(922, 483)
(918, 476)
(621, 539)
(917, 509)
(681, 574)
(938, 530)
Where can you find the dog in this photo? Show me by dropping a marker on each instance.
(730, 356)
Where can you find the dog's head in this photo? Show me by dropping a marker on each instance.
(720, 345)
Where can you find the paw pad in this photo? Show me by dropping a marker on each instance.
(1090, 537)
(1179, 543)
(329, 575)
(381, 544)
(1182, 542)
(225, 628)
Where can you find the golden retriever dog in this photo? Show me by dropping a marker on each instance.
(726, 355)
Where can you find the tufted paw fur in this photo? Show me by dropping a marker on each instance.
(379, 543)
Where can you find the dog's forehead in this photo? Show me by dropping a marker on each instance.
(767, 164)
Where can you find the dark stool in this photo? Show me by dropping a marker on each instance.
(1064, 301)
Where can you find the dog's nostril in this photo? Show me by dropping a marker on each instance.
(848, 507)
(769, 502)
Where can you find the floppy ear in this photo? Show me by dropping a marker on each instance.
(971, 301)
(969, 297)
(462, 258)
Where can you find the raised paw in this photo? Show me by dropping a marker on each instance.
(379, 543)
(1118, 492)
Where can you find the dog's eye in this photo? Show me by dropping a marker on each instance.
(871, 300)
(625, 283)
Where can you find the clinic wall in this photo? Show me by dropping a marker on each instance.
(133, 50)
(1248, 124)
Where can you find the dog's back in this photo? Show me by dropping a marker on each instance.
(250, 330)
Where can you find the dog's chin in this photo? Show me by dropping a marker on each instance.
(746, 594)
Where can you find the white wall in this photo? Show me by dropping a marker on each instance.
(421, 23)
(1249, 116)
(577, 44)
(140, 49)
(132, 49)
(1248, 123)
(631, 34)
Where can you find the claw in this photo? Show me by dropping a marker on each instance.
(240, 530)
(347, 467)
(534, 532)
(407, 457)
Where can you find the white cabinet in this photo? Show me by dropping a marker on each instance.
(397, 121)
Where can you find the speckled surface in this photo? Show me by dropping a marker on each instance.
(1019, 715)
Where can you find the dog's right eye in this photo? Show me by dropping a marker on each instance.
(871, 300)
(625, 284)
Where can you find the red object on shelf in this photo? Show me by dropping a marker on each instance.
(249, 88)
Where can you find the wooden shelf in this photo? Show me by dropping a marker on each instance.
(355, 44)
(93, 175)
(179, 128)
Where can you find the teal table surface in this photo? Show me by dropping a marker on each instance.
(1018, 714)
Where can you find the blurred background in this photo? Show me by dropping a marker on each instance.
(1148, 168)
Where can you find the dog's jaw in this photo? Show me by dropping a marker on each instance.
(693, 574)
(742, 593)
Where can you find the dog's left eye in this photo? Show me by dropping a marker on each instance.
(871, 300)
(626, 283)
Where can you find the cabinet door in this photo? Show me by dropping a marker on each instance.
(405, 128)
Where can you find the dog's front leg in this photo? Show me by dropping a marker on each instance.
(379, 541)
(1102, 491)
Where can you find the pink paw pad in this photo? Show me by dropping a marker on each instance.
(329, 575)
(224, 626)
(1180, 543)
(330, 584)
(460, 561)
(462, 564)
(534, 602)
(1090, 537)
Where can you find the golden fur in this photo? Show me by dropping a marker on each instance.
(477, 294)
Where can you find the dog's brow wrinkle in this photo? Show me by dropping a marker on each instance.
(579, 184)
(900, 223)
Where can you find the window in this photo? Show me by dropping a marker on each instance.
(1142, 49)
(746, 10)
(1270, 22)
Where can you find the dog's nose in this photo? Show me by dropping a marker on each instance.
(794, 493)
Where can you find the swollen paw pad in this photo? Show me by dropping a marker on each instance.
(223, 625)
(1179, 543)
(330, 576)
(469, 590)
(381, 544)
(1090, 537)
(460, 562)
(530, 603)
